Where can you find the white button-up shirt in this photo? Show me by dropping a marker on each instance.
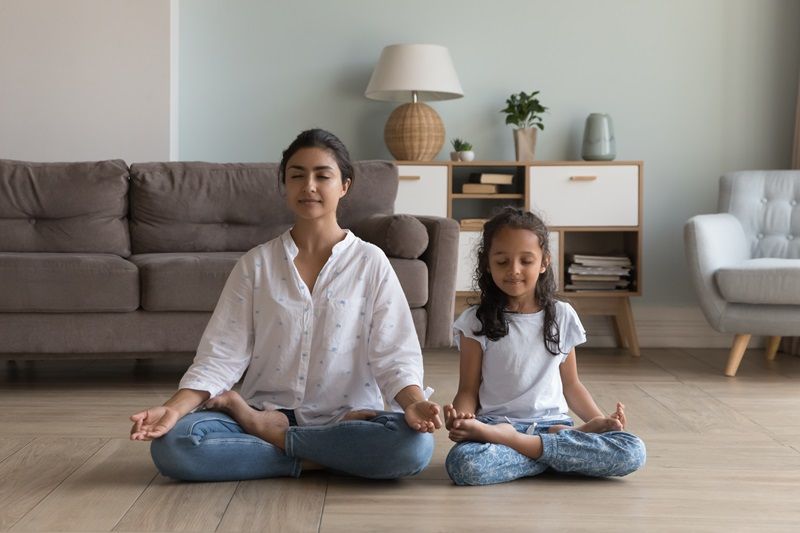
(345, 346)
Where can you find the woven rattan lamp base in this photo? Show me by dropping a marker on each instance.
(414, 132)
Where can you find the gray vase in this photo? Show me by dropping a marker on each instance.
(599, 143)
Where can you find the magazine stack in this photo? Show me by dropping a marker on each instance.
(599, 273)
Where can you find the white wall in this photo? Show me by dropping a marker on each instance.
(696, 88)
(84, 80)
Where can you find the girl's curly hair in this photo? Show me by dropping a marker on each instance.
(493, 301)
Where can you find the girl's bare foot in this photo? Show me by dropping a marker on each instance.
(475, 430)
(619, 414)
(268, 425)
(598, 424)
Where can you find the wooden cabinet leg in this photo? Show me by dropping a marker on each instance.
(772, 347)
(736, 354)
(627, 326)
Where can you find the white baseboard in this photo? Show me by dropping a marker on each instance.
(663, 327)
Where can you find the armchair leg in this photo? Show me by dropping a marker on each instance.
(736, 353)
(772, 347)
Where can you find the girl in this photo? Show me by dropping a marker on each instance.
(320, 324)
(518, 372)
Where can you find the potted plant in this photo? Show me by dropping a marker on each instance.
(525, 112)
(462, 150)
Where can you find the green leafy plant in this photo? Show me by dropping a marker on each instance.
(524, 110)
(460, 145)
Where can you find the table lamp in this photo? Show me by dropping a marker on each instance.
(414, 73)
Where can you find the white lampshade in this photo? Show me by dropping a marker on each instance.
(405, 68)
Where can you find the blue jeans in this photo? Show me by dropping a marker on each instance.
(211, 446)
(615, 453)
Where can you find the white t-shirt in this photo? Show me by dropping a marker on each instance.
(520, 379)
(346, 346)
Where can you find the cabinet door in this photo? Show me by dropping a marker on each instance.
(603, 195)
(422, 190)
(467, 259)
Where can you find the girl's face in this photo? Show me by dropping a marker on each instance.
(516, 261)
(314, 184)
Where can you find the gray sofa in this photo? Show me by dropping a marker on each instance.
(100, 259)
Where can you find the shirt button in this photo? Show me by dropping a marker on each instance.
(763, 200)
(790, 237)
(793, 202)
(760, 236)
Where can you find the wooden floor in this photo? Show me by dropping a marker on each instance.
(723, 455)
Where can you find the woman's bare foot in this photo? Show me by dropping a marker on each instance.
(268, 425)
(361, 414)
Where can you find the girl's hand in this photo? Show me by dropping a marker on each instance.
(423, 416)
(619, 414)
(153, 423)
(451, 415)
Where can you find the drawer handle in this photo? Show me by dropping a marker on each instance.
(582, 178)
(410, 178)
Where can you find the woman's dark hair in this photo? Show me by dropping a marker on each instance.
(493, 301)
(317, 138)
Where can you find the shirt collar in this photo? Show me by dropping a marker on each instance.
(292, 250)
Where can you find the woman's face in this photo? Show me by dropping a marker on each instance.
(314, 184)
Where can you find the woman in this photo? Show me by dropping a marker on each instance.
(318, 321)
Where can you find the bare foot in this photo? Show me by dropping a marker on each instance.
(477, 431)
(598, 424)
(619, 414)
(361, 414)
(268, 425)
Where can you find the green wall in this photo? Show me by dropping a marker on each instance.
(695, 88)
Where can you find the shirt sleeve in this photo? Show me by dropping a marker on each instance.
(394, 352)
(571, 330)
(467, 324)
(227, 343)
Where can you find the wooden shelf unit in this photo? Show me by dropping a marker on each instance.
(590, 207)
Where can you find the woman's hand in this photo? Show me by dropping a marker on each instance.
(423, 416)
(154, 422)
(451, 415)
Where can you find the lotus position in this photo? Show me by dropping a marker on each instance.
(518, 372)
(317, 323)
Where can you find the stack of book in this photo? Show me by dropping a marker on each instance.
(472, 224)
(599, 273)
(486, 183)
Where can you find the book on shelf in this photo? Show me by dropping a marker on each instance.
(601, 260)
(479, 188)
(495, 178)
(612, 270)
(472, 224)
(597, 285)
(594, 277)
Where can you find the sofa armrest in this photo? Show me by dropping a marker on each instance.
(441, 258)
(712, 242)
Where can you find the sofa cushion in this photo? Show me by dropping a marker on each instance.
(219, 207)
(413, 276)
(67, 282)
(400, 236)
(64, 207)
(761, 281)
(183, 281)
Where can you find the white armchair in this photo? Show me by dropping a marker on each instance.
(745, 260)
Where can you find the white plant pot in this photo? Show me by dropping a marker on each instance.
(466, 156)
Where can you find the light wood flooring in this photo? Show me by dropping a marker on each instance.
(723, 455)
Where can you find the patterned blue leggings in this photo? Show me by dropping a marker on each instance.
(615, 453)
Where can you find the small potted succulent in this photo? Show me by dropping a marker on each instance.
(525, 112)
(462, 150)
